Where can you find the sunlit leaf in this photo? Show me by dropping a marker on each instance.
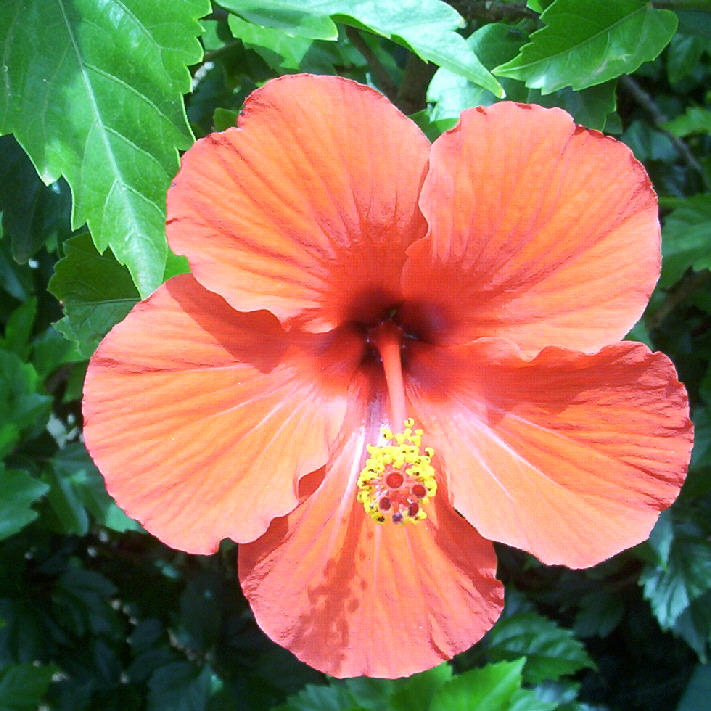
(495, 687)
(587, 42)
(427, 27)
(93, 92)
(694, 120)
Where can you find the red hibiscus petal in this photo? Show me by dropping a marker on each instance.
(540, 231)
(569, 456)
(202, 419)
(308, 207)
(349, 596)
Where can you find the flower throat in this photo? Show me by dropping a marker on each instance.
(397, 478)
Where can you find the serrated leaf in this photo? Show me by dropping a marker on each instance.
(416, 692)
(32, 214)
(23, 686)
(18, 491)
(77, 494)
(427, 27)
(288, 51)
(588, 42)
(81, 601)
(490, 688)
(687, 575)
(95, 290)
(312, 697)
(694, 120)
(287, 17)
(179, 686)
(599, 614)
(23, 408)
(551, 651)
(694, 625)
(686, 238)
(103, 108)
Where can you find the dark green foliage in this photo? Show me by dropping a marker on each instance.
(97, 99)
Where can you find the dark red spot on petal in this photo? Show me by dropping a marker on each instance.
(384, 503)
(413, 508)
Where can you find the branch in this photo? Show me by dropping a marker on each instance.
(658, 118)
(379, 71)
(412, 95)
(488, 11)
(684, 288)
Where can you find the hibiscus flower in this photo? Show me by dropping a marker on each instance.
(388, 354)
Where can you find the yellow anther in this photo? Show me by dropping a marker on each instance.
(397, 479)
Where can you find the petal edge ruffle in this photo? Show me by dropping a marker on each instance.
(568, 456)
(193, 412)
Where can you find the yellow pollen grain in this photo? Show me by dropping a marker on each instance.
(400, 454)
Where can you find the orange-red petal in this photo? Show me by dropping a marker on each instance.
(540, 231)
(568, 456)
(307, 207)
(202, 419)
(352, 597)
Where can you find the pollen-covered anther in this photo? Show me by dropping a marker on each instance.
(398, 478)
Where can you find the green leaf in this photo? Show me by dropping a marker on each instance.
(694, 625)
(493, 43)
(78, 492)
(288, 17)
(698, 690)
(313, 697)
(289, 51)
(104, 109)
(81, 602)
(648, 143)
(693, 120)
(686, 238)
(32, 213)
(599, 614)
(95, 290)
(416, 693)
(490, 688)
(179, 686)
(427, 27)
(18, 491)
(683, 56)
(23, 686)
(687, 575)
(23, 409)
(18, 328)
(16, 280)
(589, 107)
(587, 42)
(551, 651)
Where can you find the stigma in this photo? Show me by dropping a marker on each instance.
(397, 479)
